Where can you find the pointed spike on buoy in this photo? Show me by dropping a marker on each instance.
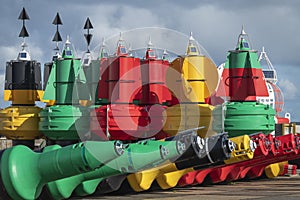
(121, 37)
(121, 41)
(23, 32)
(23, 15)
(243, 31)
(68, 40)
(150, 43)
(57, 20)
(263, 50)
(191, 37)
(57, 37)
(88, 24)
(103, 50)
(103, 42)
(165, 52)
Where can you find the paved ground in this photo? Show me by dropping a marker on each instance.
(287, 188)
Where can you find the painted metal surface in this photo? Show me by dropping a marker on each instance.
(20, 122)
(132, 160)
(57, 163)
(153, 74)
(239, 118)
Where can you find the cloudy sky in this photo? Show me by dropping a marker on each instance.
(274, 24)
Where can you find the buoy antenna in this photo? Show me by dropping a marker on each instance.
(150, 44)
(191, 38)
(243, 32)
(244, 36)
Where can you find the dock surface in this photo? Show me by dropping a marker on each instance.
(286, 188)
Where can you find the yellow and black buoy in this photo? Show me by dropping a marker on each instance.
(23, 87)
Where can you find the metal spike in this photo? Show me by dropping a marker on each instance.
(57, 20)
(165, 52)
(88, 24)
(23, 32)
(243, 31)
(103, 42)
(191, 37)
(121, 37)
(150, 45)
(68, 41)
(57, 37)
(88, 38)
(23, 15)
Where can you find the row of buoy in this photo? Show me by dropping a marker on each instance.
(124, 119)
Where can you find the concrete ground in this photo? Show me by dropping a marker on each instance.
(286, 188)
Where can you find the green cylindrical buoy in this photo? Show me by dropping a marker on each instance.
(92, 73)
(137, 156)
(25, 172)
(64, 122)
(240, 118)
(65, 79)
(66, 83)
(66, 86)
